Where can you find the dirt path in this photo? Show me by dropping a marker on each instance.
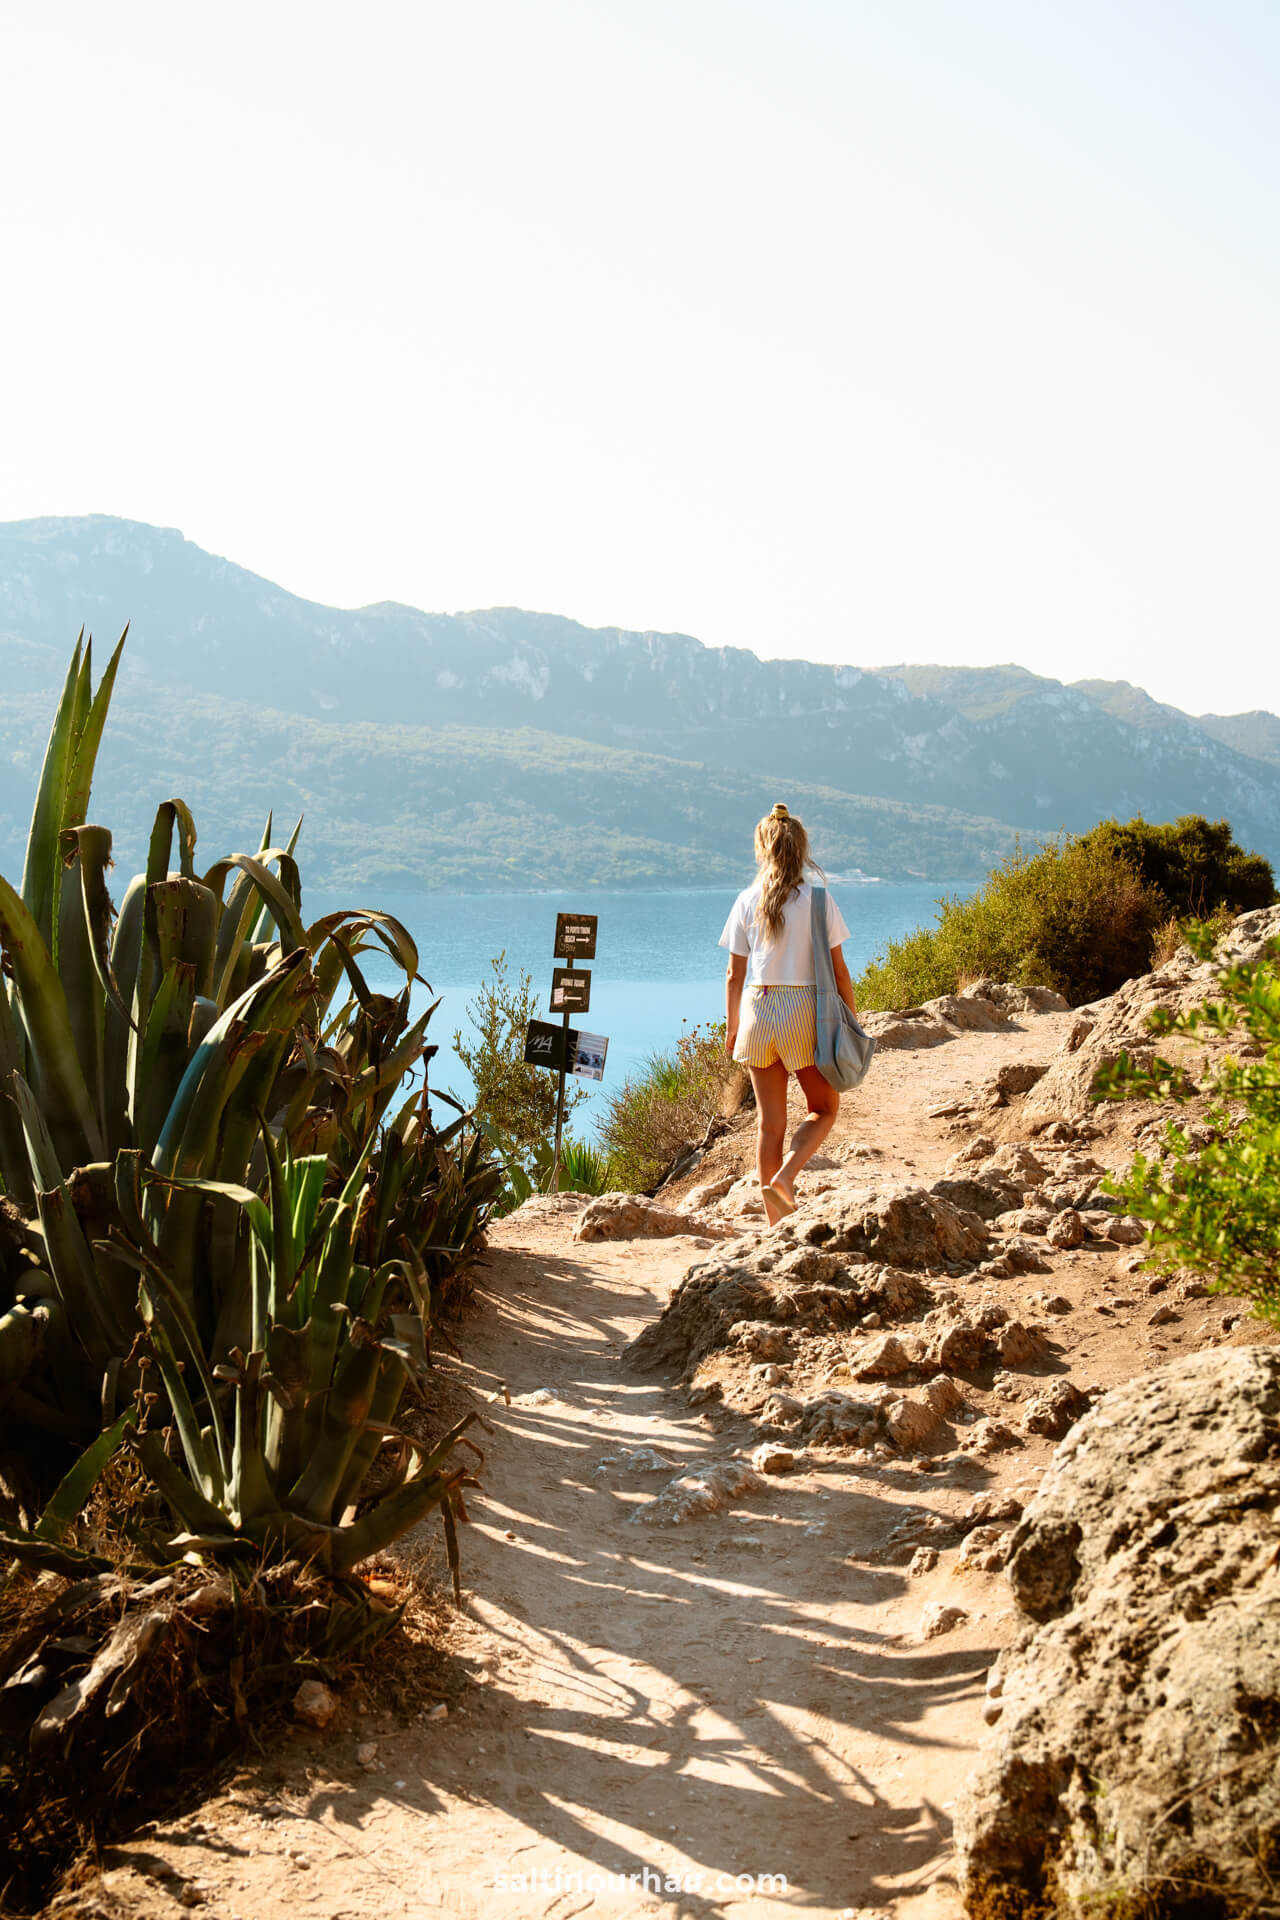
(693, 1707)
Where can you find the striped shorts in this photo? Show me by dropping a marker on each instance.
(778, 1023)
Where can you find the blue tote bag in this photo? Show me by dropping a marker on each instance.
(844, 1051)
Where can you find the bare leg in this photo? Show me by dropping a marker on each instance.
(824, 1105)
(770, 1085)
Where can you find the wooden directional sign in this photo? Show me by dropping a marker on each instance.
(576, 936)
(570, 990)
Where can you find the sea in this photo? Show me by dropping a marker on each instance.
(657, 969)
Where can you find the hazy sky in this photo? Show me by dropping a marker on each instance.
(919, 330)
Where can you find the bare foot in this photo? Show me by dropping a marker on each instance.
(783, 1200)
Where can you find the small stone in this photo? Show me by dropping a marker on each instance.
(367, 1753)
(872, 1320)
(1066, 1229)
(1126, 1231)
(937, 1618)
(439, 1712)
(923, 1560)
(314, 1704)
(1161, 1317)
(771, 1458)
(189, 1895)
(984, 1550)
(1056, 1303)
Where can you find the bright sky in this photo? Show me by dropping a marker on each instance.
(935, 330)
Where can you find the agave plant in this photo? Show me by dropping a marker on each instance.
(194, 1244)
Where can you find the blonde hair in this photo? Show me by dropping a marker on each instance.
(783, 858)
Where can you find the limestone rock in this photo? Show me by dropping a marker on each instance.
(984, 1550)
(1135, 1764)
(1019, 1343)
(936, 1618)
(314, 1704)
(1054, 1409)
(989, 1436)
(906, 1030)
(771, 1458)
(630, 1216)
(963, 1161)
(884, 1358)
(1066, 1229)
(761, 1339)
(901, 1225)
(988, 1198)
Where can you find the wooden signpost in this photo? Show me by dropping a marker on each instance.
(546, 1045)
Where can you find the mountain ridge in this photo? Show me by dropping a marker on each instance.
(1016, 750)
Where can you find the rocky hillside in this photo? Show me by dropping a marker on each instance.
(997, 744)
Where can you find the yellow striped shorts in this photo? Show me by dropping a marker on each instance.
(778, 1023)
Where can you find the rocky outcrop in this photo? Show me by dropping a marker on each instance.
(1102, 1031)
(631, 1216)
(1135, 1764)
(902, 1226)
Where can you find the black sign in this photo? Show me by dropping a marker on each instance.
(551, 1046)
(570, 990)
(576, 936)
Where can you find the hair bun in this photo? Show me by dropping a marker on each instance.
(779, 812)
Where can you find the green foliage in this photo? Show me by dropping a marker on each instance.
(1079, 914)
(1071, 916)
(515, 1102)
(1194, 864)
(656, 1116)
(213, 1238)
(1216, 1208)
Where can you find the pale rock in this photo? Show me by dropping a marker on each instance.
(768, 1457)
(922, 1561)
(984, 1550)
(760, 1338)
(989, 1436)
(885, 1358)
(980, 1148)
(1066, 1230)
(313, 1704)
(1126, 1230)
(1019, 1343)
(936, 1618)
(1054, 1409)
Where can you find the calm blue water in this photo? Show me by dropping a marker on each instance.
(657, 964)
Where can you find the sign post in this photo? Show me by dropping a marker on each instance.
(571, 993)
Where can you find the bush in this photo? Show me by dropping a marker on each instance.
(1194, 864)
(1216, 1209)
(1080, 914)
(515, 1102)
(654, 1118)
(1069, 916)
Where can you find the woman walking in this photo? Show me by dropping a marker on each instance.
(770, 1001)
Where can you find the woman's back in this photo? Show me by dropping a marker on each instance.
(784, 958)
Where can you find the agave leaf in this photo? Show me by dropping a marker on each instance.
(55, 1070)
(202, 1515)
(15, 1165)
(42, 871)
(278, 896)
(89, 735)
(81, 986)
(221, 1060)
(391, 1516)
(157, 1285)
(47, 1557)
(76, 1486)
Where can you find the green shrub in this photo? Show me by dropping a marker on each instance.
(1216, 1209)
(1080, 914)
(1194, 864)
(515, 1102)
(1069, 916)
(667, 1108)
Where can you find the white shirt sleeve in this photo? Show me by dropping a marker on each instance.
(735, 930)
(837, 931)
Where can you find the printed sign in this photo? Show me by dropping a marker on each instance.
(544, 1046)
(576, 936)
(588, 1055)
(570, 990)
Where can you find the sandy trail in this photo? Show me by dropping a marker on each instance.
(692, 1707)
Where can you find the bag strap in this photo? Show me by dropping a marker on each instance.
(823, 971)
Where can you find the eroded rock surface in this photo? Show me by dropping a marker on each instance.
(1133, 1766)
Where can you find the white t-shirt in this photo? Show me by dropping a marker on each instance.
(787, 959)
